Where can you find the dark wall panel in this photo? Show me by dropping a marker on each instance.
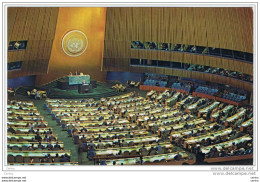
(21, 81)
(123, 77)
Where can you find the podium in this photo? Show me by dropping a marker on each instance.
(73, 82)
(78, 79)
(84, 88)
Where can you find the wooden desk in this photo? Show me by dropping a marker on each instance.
(38, 153)
(29, 137)
(208, 108)
(172, 100)
(135, 133)
(114, 151)
(179, 126)
(24, 123)
(105, 157)
(230, 119)
(136, 140)
(25, 130)
(28, 144)
(152, 158)
(230, 158)
(194, 140)
(225, 109)
(227, 143)
(245, 124)
(181, 162)
(194, 106)
(194, 130)
(45, 164)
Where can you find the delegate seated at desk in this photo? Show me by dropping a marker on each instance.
(76, 73)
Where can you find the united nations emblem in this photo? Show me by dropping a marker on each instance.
(74, 43)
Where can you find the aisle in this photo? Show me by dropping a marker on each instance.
(62, 136)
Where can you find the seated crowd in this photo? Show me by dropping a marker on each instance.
(119, 87)
(10, 91)
(155, 80)
(234, 95)
(168, 127)
(220, 91)
(29, 136)
(37, 94)
(206, 90)
(219, 71)
(182, 86)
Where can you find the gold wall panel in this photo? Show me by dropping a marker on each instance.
(228, 28)
(37, 26)
(91, 21)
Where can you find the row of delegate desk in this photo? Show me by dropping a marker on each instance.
(20, 130)
(26, 145)
(153, 160)
(215, 98)
(131, 141)
(211, 107)
(118, 128)
(45, 164)
(195, 140)
(162, 89)
(176, 124)
(22, 152)
(224, 132)
(228, 144)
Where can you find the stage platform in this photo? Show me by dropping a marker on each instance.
(102, 90)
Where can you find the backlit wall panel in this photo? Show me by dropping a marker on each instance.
(90, 21)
